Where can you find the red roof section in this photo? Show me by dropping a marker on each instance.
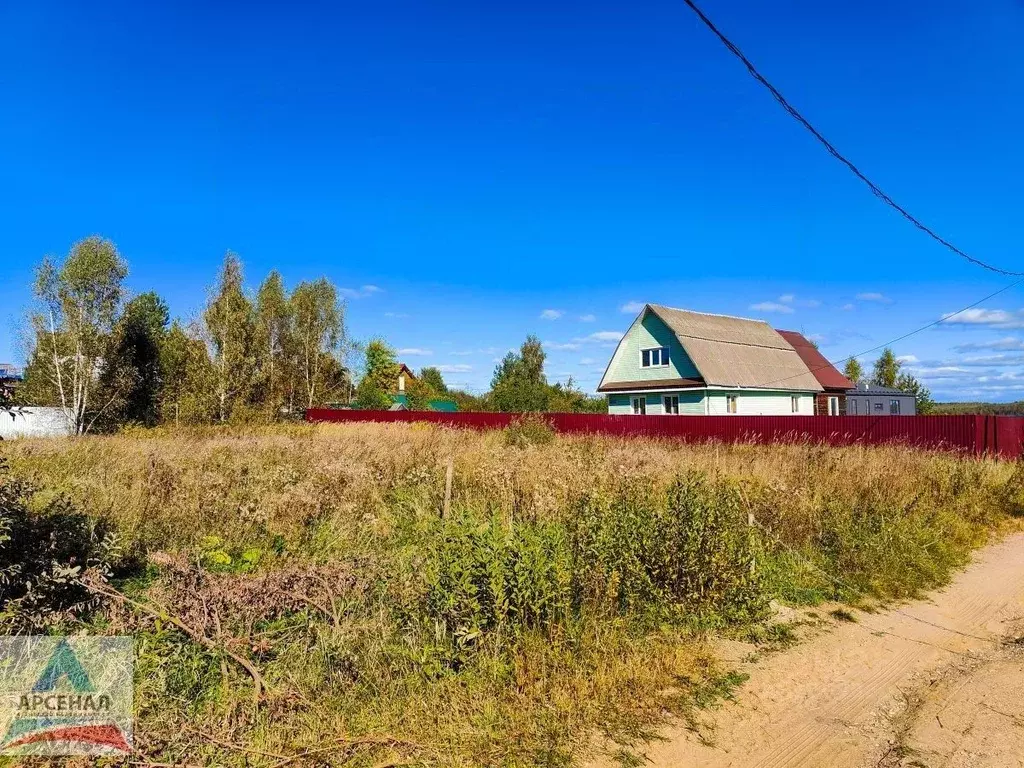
(823, 370)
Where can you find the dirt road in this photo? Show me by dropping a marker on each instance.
(932, 683)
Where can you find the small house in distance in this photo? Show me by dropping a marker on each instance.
(868, 399)
(673, 361)
(832, 400)
(401, 400)
(10, 378)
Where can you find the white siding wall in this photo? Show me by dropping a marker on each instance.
(761, 404)
(35, 422)
(750, 403)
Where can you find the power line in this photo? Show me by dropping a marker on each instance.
(932, 324)
(835, 152)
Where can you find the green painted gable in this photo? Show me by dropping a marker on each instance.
(445, 406)
(649, 332)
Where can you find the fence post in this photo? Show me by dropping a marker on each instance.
(753, 559)
(448, 487)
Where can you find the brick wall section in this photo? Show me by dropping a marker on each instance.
(821, 403)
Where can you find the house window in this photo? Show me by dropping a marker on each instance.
(878, 406)
(894, 407)
(654, 358)
(794, 403)
(853, 405)
(833, 406)
(639, 406)
(401, 382)
(672, 404)
(731, 403)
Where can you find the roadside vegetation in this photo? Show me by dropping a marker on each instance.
(300, 596)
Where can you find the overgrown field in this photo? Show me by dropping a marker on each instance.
(299, 596)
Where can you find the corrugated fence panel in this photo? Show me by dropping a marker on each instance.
(1001, 435)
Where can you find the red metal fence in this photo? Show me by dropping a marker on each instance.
(997, 435)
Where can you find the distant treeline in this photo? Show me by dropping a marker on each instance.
(111, 360)
(998, 409)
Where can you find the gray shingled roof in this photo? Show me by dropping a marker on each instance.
(876, 389)
(737, 352)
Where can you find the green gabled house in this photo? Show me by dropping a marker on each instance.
(673, 361)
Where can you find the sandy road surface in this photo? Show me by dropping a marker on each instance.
(933, 683)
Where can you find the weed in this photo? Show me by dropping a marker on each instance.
(841, 614)
(529, 429)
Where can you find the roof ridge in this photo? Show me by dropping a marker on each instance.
(711, 314)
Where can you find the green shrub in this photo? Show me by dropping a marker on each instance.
(1013, 491)
(684, 550)
(44, 556)
(483, 577)
(640, 553)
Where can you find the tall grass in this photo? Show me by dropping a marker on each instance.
(569, 591)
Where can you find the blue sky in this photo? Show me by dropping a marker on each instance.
(480, 164)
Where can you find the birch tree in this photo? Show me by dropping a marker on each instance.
(274, 318)
(80, 302)
(230, 328)
(319, 338)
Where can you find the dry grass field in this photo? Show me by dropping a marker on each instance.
(299, 596)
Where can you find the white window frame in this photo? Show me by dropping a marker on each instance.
(833, 406)
(639, 403)
(794, 403)
(854, 404)
(664, 355)
(732, 404)
(670, 405)
(894, 407)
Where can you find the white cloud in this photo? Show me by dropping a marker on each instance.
(772, 306)
(632, 307)
(551, 314)
(360, 293)
(414, 352)
(569, 345)
(908, 359)
(991, 318)
(467, 352)
(791, 298)
(604, 336)
(1009, 343)
(871, 296)
(587, 361)
(993, 360)
(847, 307)
(395, 314)
(456, 368)
(588, 318)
